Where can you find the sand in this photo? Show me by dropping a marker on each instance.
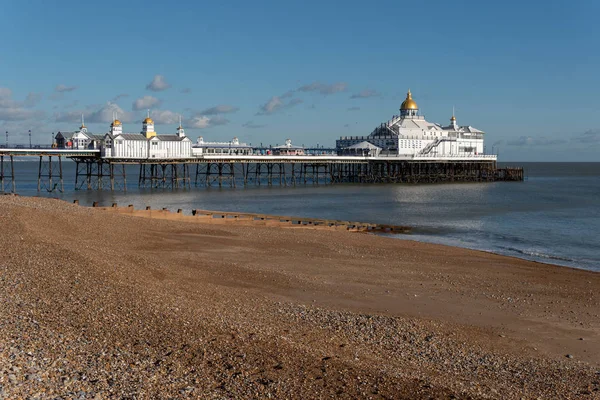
(100, 305)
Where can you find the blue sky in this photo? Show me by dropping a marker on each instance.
(527, 73)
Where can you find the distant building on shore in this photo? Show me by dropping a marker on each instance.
(233, 147)
(78, 140)
(410, 134)
(288, 149)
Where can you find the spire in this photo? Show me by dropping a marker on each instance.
(82, 122)
(180, 131)
(148, 116)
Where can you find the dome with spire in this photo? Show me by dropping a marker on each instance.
(409, 103)
(148, 120)
(116, 122)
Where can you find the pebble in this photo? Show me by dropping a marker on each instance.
(111, 307)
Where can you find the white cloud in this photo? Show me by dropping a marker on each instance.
(97, 114)
(11, 110)
(164, 117)
(32, 99)
(324, 88)
(220, 109)
(158, 84)
(19, 114)
(6, 100)
(591, 136)
(145, 102)
(535, 141)
(64, 88)
(104, 114)
(277, 103)
(203, 122)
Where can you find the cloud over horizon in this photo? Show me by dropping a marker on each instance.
(534, 141)
(95, 114)
(591, 136)
(11, 110)
(278, 103)
(64, 88)
(145, 102)
(203, 121)
(162, 117)
(158, 84)
(220, 109)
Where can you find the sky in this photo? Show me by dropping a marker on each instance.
(526, 73)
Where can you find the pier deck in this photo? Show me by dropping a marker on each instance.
(94, 172)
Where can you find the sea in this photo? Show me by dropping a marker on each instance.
(552, 217)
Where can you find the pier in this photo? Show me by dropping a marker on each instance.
(94, 172)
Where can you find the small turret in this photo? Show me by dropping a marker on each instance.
(453, 121)
(148, 127)
(116, 128)
(180, 130)
(82, 128)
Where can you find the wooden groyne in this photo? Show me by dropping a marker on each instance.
(254, 219)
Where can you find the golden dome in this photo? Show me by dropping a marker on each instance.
(148, 121)
(82, 126)
(453, 118)
(116, 122)
(409, 103)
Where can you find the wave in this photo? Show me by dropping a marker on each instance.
(533, 253)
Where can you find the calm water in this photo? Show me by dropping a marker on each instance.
(554, 216)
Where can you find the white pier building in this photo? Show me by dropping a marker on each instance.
(147, 144)
(234, 147)
(410, 135)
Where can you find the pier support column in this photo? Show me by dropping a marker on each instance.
(7, 171)
(46, 174)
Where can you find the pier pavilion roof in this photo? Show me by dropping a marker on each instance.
(173, 138)
(131, 136)
(364, 145)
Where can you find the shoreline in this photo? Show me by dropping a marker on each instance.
(401, 232)
(169, 308)
(533, 260)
